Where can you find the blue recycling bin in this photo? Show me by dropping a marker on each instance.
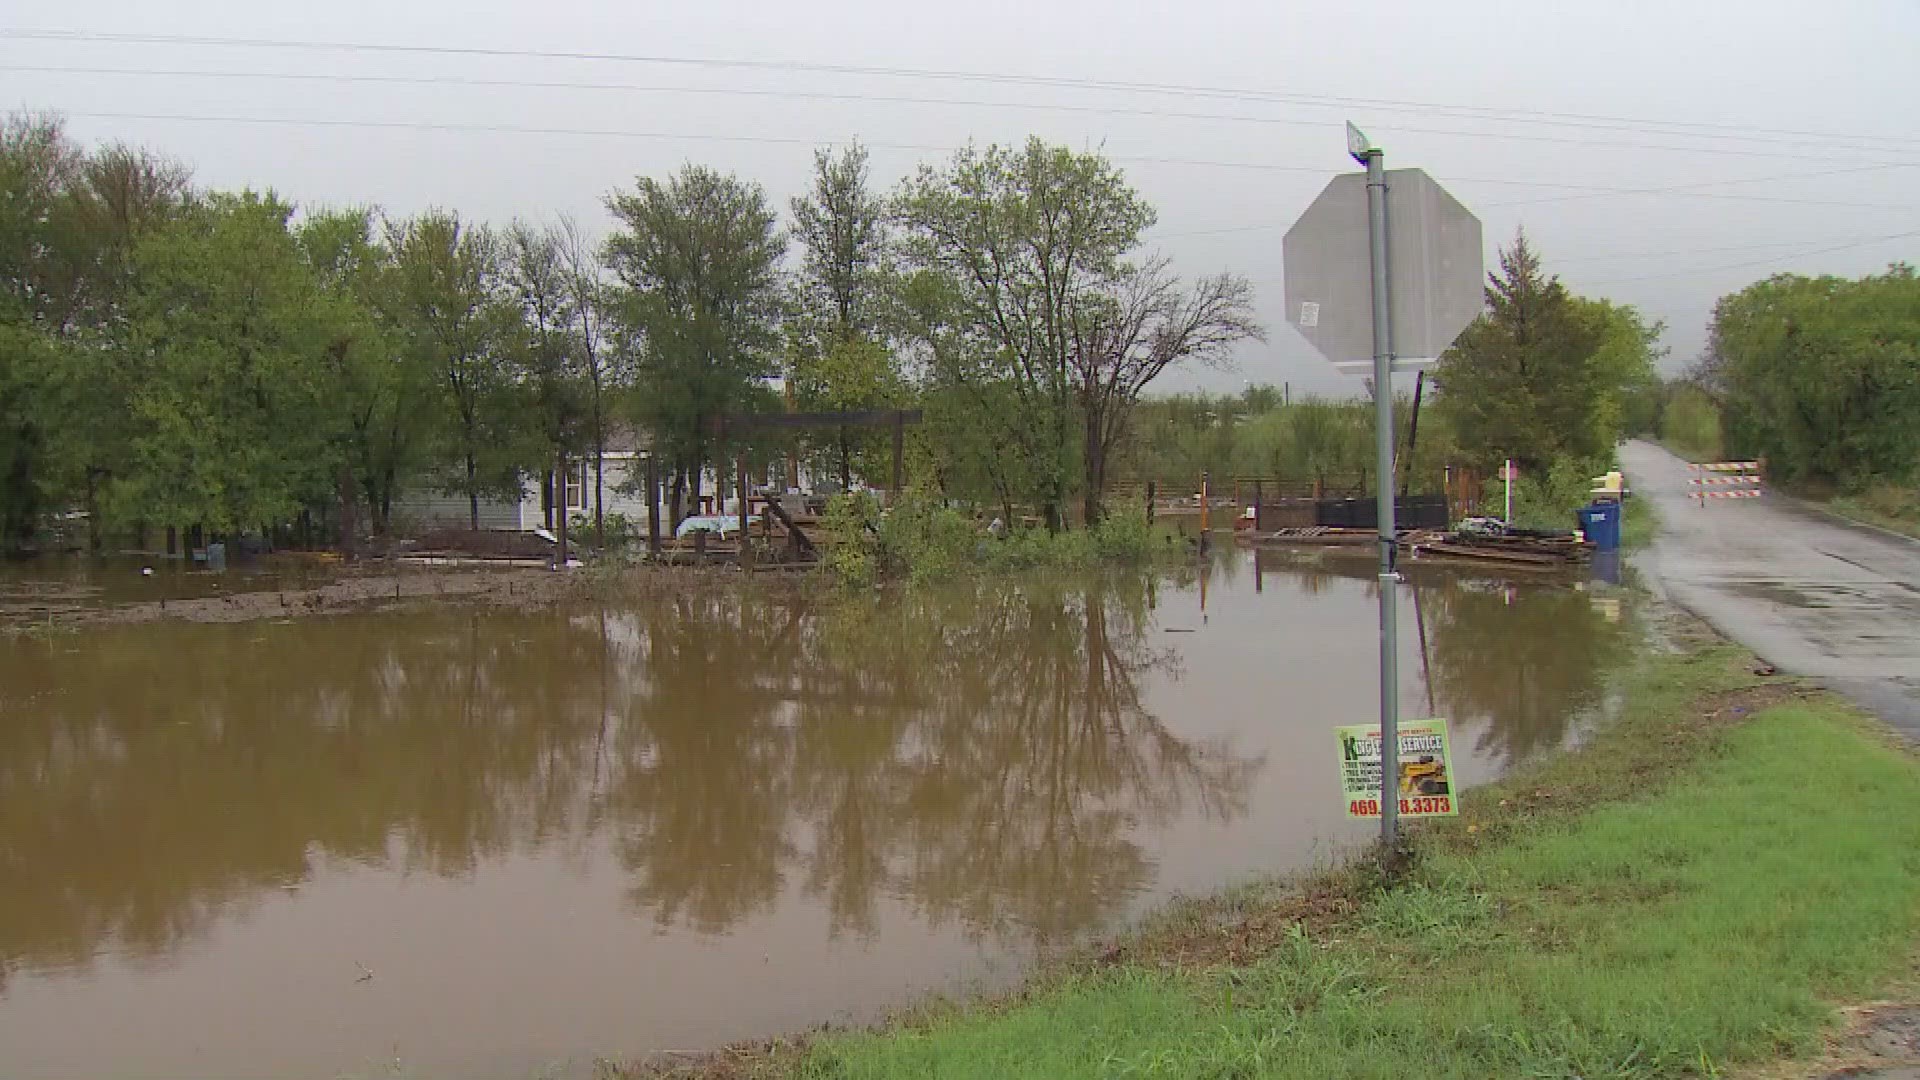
(1601, 522)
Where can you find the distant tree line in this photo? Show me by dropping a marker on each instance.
(172, 356)
(1820, 376)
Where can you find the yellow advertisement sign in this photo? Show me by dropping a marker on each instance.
(1426, 769)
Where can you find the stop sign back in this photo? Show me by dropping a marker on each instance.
(1434, 271)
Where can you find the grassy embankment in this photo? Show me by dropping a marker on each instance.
(1693, 890)
(1888, 505)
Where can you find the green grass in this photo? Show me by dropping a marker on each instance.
(1638, 527)
(1689, 892)
(1888, 505)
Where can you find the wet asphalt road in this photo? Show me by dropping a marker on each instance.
(1811, 594)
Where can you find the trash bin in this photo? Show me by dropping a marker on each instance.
(1601, 522)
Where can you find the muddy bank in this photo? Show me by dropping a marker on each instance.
(383, 587)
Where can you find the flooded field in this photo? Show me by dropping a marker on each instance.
(442, 843)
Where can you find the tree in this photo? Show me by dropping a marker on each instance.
(1024, 242)
(842, 229)
(383, 396)
(696, 259)
(604, 366)
(1520, 382)
(1129, 335)
(1625, 381)
(37, 168)
(838, 355)
(453, 318)
(68, 223)
(1821, 376)
(229, 326)
(551, 357)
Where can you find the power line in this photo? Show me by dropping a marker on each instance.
(783, 140)
(614, 133)
(1689, 130)
(1682, 252)
(1759, 262)
(1689, 190)
(1674, 189)
(810, 95)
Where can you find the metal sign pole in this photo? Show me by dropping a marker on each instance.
(1373, 158)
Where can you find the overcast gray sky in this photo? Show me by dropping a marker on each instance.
(1776, 136)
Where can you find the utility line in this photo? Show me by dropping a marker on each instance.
(1757, 262)
(1677, 129)
(787, 140)
(1689, 190)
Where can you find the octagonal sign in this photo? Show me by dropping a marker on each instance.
(1434, 278)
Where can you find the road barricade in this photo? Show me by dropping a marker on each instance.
(1725, 480)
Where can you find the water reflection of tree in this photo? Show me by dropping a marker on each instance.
(1529, 658)
(149, 780)
(982, 754)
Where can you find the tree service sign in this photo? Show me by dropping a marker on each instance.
(1426, 769)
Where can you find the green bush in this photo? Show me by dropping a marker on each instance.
(1550, 500)
(622, 531)
(852, 525)
(921, 540)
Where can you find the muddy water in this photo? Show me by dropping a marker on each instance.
(439, 844)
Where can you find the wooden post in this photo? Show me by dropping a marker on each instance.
(700, 547)
(1206, 534)
(1413, 431)
(793, 454)
(899, 453)
(560, 505)
(1150, 498)
(1257, 493)
(653, 506)
(740, 483)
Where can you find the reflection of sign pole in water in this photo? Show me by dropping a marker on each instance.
(1420, 304)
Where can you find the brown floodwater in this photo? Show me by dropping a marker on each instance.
(453, 843)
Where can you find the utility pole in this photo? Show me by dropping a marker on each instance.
(1367, 154)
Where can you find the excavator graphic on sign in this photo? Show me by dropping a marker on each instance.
(1424, 775)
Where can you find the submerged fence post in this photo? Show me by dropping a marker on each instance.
(653, 507)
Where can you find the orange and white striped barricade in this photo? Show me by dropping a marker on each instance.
(1725, 480)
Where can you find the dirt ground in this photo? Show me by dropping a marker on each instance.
(378, 587)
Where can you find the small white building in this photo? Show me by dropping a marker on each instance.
(623, 490)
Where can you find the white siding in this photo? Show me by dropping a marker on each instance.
(431, 509)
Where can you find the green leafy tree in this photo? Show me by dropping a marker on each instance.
(382, 397)
(1027, 244)
(1821, 376)
(606, 367)
(37, 166)
(696, 259)
(839, 355)
(1520, 381)
(230, 326)
(551, 358)
(121, 196)
(452, 316)
(68, 223)
(1622, 369)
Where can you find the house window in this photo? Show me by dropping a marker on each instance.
(578, 477)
